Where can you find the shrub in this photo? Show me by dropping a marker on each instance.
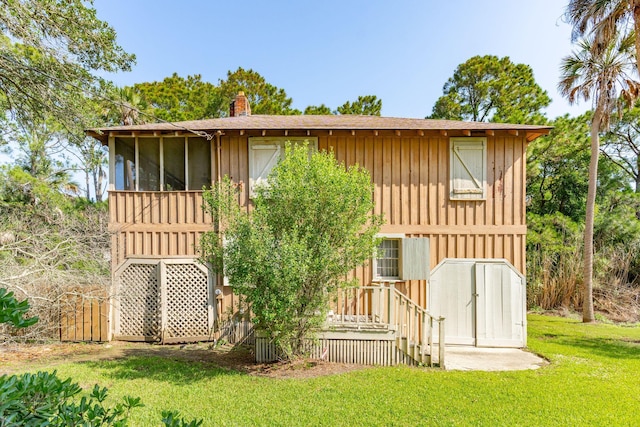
(309, 227)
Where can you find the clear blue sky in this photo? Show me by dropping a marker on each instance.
(331, 51)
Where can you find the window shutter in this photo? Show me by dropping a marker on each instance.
(468, 168)
(415, 258)
(262, 158)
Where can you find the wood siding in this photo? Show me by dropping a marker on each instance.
(156, 224)
(84, 319)
(411, 177)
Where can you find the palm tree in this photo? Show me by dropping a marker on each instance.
(604, 76)
(129, 105)
(123, 106)
(604, 20)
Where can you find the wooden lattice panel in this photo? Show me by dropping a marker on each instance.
(139, 301)
(187, 301)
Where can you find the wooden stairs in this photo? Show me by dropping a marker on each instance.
(382, 307)
(372, 325)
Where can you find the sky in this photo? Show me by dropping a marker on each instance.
(332, 51)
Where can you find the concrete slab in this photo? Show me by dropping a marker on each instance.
(461, 358)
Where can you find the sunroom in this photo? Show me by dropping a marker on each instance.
(165, 163)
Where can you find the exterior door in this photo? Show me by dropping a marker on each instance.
(451, 295)
(501, 306)
(482, 301)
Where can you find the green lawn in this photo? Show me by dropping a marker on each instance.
(593, 380)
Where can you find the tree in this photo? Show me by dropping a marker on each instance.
(125, 106)
(41, 150)
(600, 76)
(318, 110)
(309, 228)
(93, 162)
(178, 99)
(557, 186)
(264, 97)
(368, 105)
(622, 144)
(488, 88)
(605, 20)
(557, 169)
(49, 52)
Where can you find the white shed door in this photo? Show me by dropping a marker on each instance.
(451, 296)
(500, 306)
(482, 301)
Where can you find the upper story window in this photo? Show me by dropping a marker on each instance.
(468, 168)
(265, 153)
(160, 163)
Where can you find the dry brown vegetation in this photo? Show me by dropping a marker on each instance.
(47, 256)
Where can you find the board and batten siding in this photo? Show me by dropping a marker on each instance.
(411, 178)
(411, 188)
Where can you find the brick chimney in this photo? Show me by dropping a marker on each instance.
(239, 106)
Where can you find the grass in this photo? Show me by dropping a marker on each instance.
(593, 380)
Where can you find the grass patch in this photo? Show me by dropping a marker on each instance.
(592, 380)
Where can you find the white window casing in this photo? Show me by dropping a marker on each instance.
(408, 258)
(468, 168)
(264, 155)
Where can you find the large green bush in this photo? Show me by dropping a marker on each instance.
(308, 228)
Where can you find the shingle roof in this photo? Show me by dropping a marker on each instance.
(311, 122)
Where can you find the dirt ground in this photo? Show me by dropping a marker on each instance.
(17, 357)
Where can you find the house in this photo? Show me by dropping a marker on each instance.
(453, 195)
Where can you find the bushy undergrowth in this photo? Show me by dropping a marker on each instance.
(44, 399)
(48, 254)
(555, 265)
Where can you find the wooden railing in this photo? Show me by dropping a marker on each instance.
(384, 306)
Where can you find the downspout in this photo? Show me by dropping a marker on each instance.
(218, 154)
(218, 294)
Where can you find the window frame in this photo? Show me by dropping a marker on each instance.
(476, 143)
(388, 236)
(161, 162)
(278, 141)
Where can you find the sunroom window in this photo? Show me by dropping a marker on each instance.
(199, 155)
(149, 164)
(125, 164)
(173, 150)
(160, 163)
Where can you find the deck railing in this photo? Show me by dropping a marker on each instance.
(384, 306)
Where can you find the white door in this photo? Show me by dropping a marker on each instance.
(500, 313)
(482, 301)
(451, 296)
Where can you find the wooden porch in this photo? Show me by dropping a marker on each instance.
(372, 325)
